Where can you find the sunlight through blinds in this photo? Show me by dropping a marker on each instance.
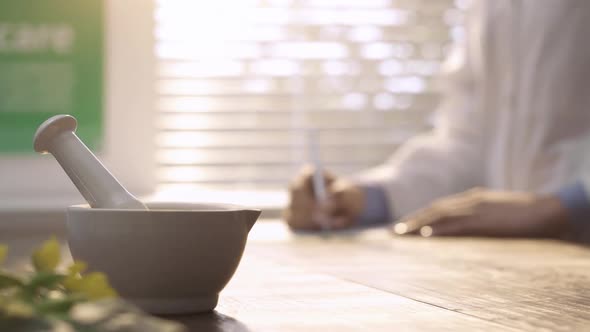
(240, 83)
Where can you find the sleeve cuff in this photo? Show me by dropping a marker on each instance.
(575, 199)
(376, 207)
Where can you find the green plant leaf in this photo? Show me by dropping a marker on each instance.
(47, 257)
(77, 267)
(17, 309)
(59, 307)
(24, 324)
(3, 252)
(47, 280)
(119, 316)
(8, 281)
(94, 286)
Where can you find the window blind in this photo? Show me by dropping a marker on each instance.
(241, 82)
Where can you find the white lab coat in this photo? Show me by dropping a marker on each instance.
(516, 113)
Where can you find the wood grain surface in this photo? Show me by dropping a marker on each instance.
(371, 281)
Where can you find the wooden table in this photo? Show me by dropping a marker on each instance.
(371, 281)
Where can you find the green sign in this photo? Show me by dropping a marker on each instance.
(51, 63)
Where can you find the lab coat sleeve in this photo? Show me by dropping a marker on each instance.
(575, 196)
(447, 160)
(580, 156)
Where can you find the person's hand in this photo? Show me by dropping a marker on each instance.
(481, 212)
(344, 204)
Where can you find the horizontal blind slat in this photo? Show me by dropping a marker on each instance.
(267, 156)
(322, 120)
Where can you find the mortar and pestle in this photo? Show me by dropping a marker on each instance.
(167, 258)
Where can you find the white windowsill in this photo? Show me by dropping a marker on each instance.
(269, 201)
(47, 214)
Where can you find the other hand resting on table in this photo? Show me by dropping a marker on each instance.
(480, 212)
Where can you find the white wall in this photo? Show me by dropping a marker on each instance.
(37, 182)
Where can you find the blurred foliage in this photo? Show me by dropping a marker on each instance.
(52, 301)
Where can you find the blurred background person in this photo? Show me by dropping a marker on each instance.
(514, 123)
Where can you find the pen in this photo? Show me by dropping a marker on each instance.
(318, 180)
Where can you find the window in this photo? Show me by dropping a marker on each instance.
(240, 83)
(35, 182)
(34, 189)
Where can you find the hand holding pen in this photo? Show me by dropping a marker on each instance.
(343, 204)
(318, 199)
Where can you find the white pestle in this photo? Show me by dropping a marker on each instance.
(98, 186)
